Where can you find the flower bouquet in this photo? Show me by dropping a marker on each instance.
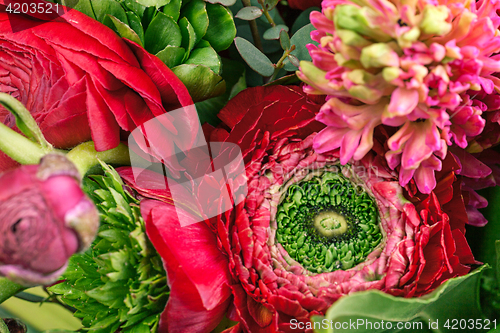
(192, 166)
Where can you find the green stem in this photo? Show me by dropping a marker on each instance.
(8, 289)
(279, 65)
(18, 147)
(84, 156)
(3, 327)
(266, 14)
(254, 29)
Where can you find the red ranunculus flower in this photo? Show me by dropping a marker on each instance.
(309, 231)
(304, 4)
(46, 218)
(80, 80)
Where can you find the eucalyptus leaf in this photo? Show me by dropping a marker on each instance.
(284, 40)
(162, 31)
(274, 32)
(249, 13)
(150, 3)
(173, 9)
(196, 12)
(125, 31)
(205, 56)
(300, 39)
(201, 82)
(257, 60)
(171, 55)
(270, 4)
(456, 298)
(221, 29)
(303, 19)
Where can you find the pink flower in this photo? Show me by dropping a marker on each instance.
(404, 64)
(46, 218)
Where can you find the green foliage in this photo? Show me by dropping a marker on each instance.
(257, 60)
(456, 298)
(178, 33)
(120, 281)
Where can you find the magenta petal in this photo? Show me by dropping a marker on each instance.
(403, 101)
(329, 139)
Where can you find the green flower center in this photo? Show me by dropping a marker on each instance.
(326, 222)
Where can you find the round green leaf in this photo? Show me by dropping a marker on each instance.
(161, 32)
(221, 29)
(274, 32)
(284, 40)
(201, 82)
(270, 4)
(205, 56)
(196, 12)
(257, 60)
(171, 55)
(124, 30)
(300, 39)
(249, 13)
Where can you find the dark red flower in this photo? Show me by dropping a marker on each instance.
(81, 81)
(308, 232)
(304, 4)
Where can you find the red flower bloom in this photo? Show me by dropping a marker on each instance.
(80, 80)
(308, 232)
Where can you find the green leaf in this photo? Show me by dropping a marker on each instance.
(270, 4)
(196, 12)
(134, 7)
(173, 9)
(83, 6)
(226, 3)
(135, 23)
(300, 39)
(254, 57)
(284, 40)
(303, 19)
(104, 7)
(233, 72)
(221, 29)
(274, 32)
(249, 13)
(171, 55)
(456, 298)
(201, 82)
(188, 36)
(150, 3)
(148, 15)
(205, 56)
(24, 120)
(124, 30)
(162, 31)
(497, 247)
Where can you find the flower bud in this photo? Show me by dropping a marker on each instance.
(46, 218)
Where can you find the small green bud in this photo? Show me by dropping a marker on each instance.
(391, 73)
(379, 55)
(434, 20)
